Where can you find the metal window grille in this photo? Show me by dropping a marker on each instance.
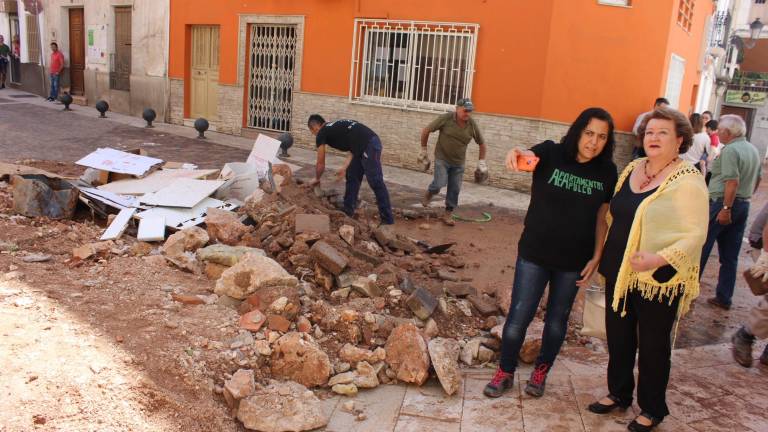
(685, 14)
(424, 66)
(721, 25)
(33, 39)
(270, 88)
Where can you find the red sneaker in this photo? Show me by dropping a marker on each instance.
(500, 383)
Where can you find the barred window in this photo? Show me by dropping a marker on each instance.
(685, 14)
(414, 65)
(33, 40)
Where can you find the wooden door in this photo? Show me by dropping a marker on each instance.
(205, 72)
(748, 114)
(122, 66)
(76, 52)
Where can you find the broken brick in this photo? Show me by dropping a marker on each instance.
(484, 304)
(319, 223)
(278, 323)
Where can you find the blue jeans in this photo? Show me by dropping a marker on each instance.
(369, 165)
(451, 175)
(527, 291)
(54, 87)
(729, 238)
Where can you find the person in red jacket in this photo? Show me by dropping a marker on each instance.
(56, 66)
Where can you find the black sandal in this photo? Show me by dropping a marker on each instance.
(637, 427)
(599, 408)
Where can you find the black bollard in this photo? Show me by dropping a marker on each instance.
(149, 115)
(102, 107)
(286, 141)
(201, 125)
(66, 99)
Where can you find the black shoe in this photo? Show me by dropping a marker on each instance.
(714, 301)
(741, 347)
(637, 427)
(599, 408)
(500, 383)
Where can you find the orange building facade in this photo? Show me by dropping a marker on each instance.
(530, 67)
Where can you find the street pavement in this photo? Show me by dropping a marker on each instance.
(708, 391)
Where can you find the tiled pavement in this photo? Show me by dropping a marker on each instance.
(708, 392)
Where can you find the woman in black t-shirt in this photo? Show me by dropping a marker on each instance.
(562, 241)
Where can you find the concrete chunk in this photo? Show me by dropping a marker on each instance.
(422, 303)
(319, 223)
(328, 257)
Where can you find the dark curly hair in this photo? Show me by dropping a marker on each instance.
(571, 139)
(683, 127)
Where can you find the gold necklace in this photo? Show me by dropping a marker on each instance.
(649, 178)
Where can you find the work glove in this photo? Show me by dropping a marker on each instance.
(760, 269)
(423, 159)
(481, 173)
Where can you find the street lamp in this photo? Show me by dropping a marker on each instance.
(755, 28)
(754, 33)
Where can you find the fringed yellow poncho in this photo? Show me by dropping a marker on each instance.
(673, 223)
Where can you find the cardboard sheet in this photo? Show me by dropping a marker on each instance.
(108, 159)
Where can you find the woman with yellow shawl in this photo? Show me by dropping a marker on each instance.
(658, 224)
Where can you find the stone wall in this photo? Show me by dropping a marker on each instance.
(177, 101)
(400, 133)
(230, 109)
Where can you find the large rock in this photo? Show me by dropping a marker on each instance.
(352, 354)
(251, 273)
(365, 376)
(444, 354)
(224, 226)
(226, 255)
(241, 385)
(530, 350)
(282, 407)
(180, 248)
(407, 354)
(295, 356)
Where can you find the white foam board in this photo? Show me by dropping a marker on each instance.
(108, 159)
(182, 193)
(116, 228)
(151, 228)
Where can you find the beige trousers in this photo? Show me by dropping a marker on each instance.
(757, 322)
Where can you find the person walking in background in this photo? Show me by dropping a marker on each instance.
(658, 220)
(364, 159)
(706, 116)
(735, 176)
(756, 326)
(457, 129)
(56, 66)
(5, 52)
(562, 241)
(698, 154)
(638, 151)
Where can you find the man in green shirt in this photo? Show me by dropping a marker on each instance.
(457, 129)
(5, 51)
(735, 176)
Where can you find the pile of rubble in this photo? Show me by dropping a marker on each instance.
(324, 301)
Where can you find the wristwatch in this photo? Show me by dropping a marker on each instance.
(725, 207)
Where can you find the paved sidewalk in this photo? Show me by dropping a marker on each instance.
(471, 194)
(708, 391)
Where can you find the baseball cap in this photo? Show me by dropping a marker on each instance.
(466, 103)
